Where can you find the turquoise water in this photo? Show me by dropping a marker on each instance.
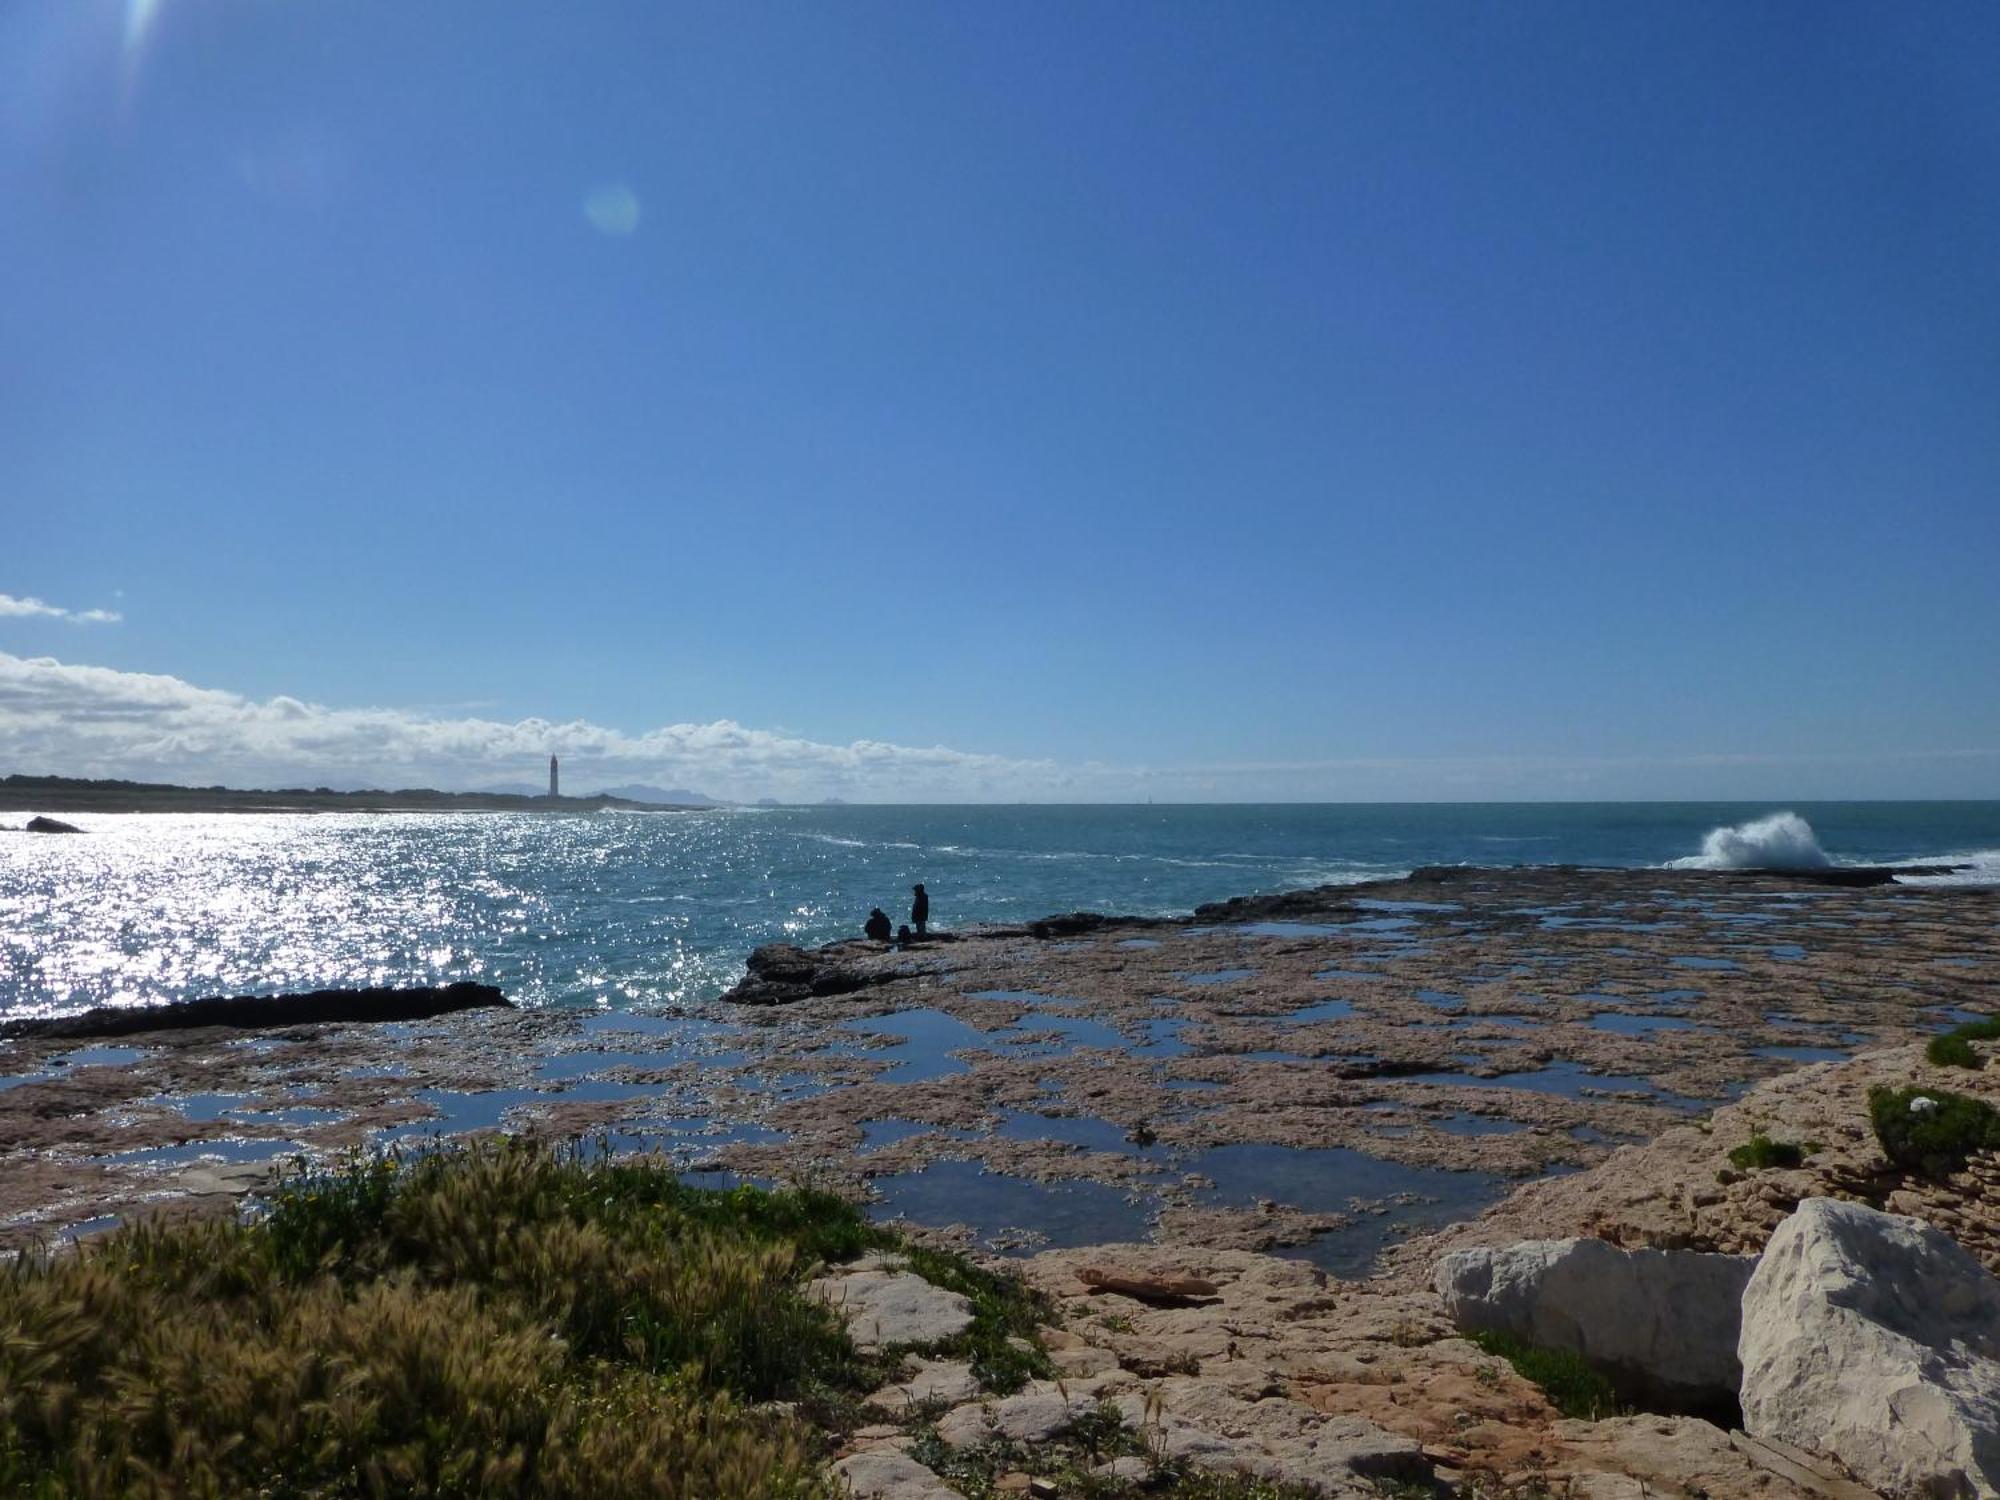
(660, 909)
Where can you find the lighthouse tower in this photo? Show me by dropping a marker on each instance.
(552, 778)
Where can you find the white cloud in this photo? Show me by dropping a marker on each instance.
(30, 608)
(56, 717)
(66, 719)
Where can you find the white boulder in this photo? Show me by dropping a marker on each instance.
(1663, 1321)
(1875, 1340)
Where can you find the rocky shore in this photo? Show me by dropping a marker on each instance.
(1382, 1083)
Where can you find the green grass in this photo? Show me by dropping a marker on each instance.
(1004, 1311)
(1936, 1142)
(504, 1319)
(1953, 1049)
(1573, 1387)
(1760, 1151)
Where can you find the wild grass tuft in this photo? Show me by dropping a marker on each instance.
(1953, 1049)
(1760, 1152)
(1573, 1387)
(1000, 1344)
(503, 1319)
(1932, 1141)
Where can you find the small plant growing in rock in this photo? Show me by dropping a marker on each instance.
(1930, 1131)
(1573, 1387)
(1954, 1048)
(1760, 1152)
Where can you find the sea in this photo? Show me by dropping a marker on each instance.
(658, 910)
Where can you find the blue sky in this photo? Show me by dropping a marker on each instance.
(1239, 401)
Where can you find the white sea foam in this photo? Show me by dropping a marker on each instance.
(1979, 867)
(1782, 841)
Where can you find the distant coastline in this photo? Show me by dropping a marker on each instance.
(69, 794)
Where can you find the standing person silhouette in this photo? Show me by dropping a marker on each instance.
(920, 908)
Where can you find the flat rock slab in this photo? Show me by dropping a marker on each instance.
(934, 1380)
(890, 1309)
(1875, 1340)
(1193, 1422)
(1034, 1416)
(884, 1475)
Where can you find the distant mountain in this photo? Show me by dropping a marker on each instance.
(672, 797)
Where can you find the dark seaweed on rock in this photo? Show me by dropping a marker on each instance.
(256, 1012)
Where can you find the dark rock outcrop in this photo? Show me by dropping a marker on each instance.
(51, 825)
(781, 973)
(257, 1012)
(1076, 923)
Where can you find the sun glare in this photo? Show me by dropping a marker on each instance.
(139, 18)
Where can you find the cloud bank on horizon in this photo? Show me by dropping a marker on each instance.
(70, 719)
(65, 719)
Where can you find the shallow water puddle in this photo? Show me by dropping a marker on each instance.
(1677, 997)
(995, 1206)
(1566, 1079)
(459, 1111)
(1033, 1035)
(81, 1057)
(685, 1136)
(1326, 1010)
(1220, 976)
(235, 1152)
(928, 1038)
(1163, 1038)
(1330, 1179)
(1630, 1025)
(1085, 1131)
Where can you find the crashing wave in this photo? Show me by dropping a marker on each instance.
(1783, 841)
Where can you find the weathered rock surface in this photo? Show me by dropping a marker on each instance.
(1271, 1437)
(1875, 1340)
(885, 1309)
(258, 1012)
(40, 824)
(884, 1474)
(1663, 1321)
(1034, 1415)
(1146, 1283)
(932, 1380)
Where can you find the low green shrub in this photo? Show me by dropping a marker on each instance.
(1953, 1049)
(503, 1319)
(1573, 1386)
(1760, 1151)
(1933, 1141)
